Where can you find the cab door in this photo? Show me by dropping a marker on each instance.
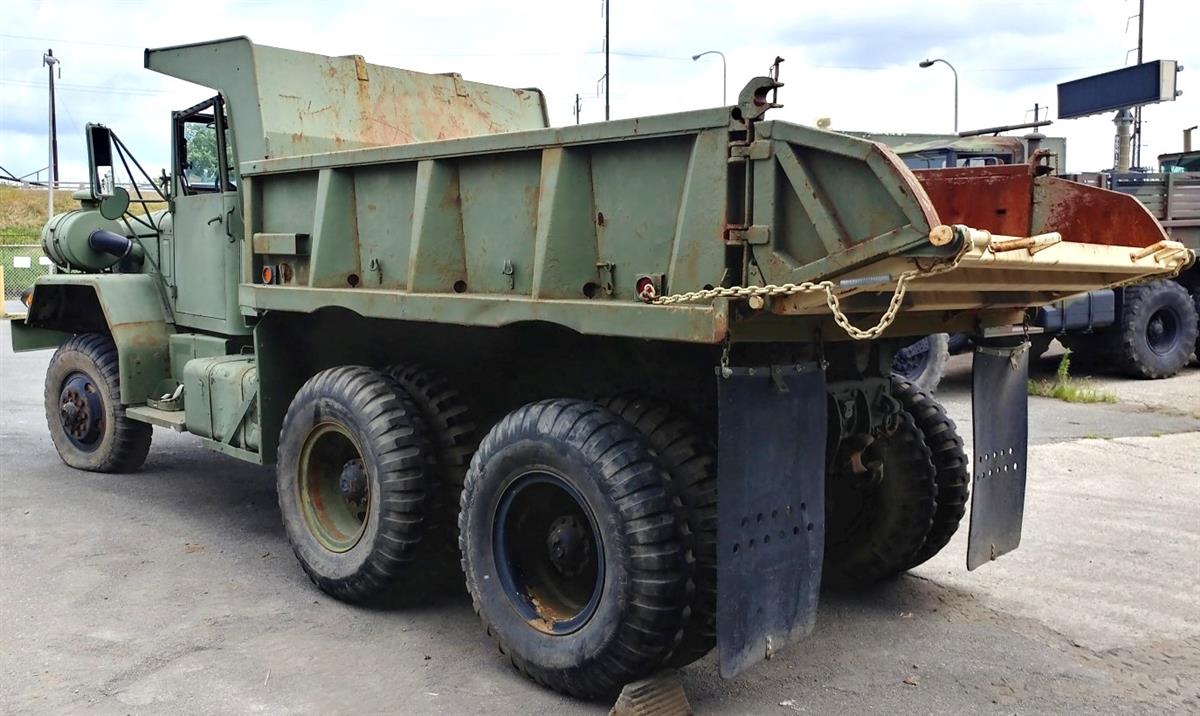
(207, 232)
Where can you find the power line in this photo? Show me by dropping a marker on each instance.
(95, 89)
(69, 42)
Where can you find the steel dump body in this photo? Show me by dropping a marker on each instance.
(285, 102)
(556, 225)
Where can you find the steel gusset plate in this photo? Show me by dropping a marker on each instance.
(1000, 412)
(771, 514)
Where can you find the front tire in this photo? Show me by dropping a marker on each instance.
(572, 552)
(87, 421)
(353, 480)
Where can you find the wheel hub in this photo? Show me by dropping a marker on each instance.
(568, 545)
(81, 411)
(1162, 331)
(548, 553)
(352, 483)
(333, 486)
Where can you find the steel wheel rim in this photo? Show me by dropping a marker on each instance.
(548, 553)
(1162, 331)
(334, 487)
(81, 411)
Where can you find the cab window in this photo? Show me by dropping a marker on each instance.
(200, 168)
(203, 155)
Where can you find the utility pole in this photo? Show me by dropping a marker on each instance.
(49, 61)
(607, 77)
(576, 108)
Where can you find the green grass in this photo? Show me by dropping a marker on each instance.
(1066, 388)
(23, 213)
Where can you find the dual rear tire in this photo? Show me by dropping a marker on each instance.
(574, 542)
(877, 529)
(572, 549)
(354, 477)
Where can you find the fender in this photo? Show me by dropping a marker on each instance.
(127, 306)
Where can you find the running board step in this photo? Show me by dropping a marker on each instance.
(173, 419)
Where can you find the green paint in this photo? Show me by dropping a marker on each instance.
(29, 338)
(131, 306)
(403, 196)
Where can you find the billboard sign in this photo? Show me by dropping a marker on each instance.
(1146, 83)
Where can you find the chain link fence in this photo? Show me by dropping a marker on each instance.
(22, 263)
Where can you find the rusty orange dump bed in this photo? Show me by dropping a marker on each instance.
(1014, 200)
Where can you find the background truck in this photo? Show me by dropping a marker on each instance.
(1146, 331)
(635, 375)
(1149, 330)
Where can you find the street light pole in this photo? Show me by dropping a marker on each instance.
(931, 63)
(724, 83)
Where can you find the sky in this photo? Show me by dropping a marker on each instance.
(854, 62)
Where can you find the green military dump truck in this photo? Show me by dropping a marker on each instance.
(636, 372)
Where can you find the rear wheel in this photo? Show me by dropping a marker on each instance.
(875, 523)
(1195, 291)
(572, 552)
(87, 421)
(952, 472)
(924, 361)
(690, 461)
(1157, 331)
(353, 479)
(453, 438)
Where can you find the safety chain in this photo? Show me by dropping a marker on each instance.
(831, 298)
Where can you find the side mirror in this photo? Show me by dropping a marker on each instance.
(100, 161)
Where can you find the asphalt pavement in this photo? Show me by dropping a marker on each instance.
(173, 590)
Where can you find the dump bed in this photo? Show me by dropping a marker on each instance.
(561, 225)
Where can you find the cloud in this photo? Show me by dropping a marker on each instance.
(1009, 54)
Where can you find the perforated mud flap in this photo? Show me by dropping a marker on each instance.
(1000, 412)
(771, 515)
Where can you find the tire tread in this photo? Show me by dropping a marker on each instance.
(655, 561)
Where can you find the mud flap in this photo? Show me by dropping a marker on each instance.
(1000, 412)
(771, 514)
